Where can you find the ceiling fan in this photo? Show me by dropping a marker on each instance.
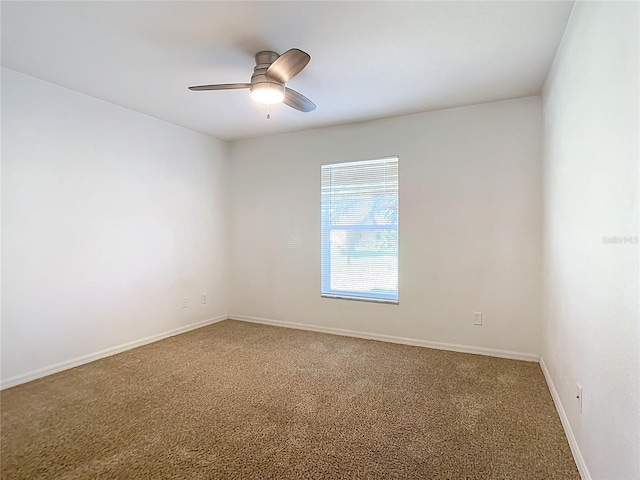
(270, 74)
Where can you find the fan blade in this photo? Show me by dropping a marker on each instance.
(220, 86)
(298, 101)
(288, 65)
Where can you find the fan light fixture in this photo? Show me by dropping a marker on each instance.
(268, 93)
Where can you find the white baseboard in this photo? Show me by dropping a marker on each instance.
(573, 444)
(74, 362)
(528, 357)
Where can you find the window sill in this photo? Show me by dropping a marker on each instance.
(360, 299)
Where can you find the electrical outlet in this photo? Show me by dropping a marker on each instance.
(477, 318)
(204, 298)
(185, 302)
(579, 395)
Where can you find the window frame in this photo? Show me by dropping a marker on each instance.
(325, 243)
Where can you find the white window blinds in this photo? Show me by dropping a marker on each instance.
(360, 230)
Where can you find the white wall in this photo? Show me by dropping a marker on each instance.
(591, 314)
(109, 218)
(470, 225)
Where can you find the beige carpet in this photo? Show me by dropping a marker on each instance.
(236, 400)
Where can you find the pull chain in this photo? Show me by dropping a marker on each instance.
(268, 112)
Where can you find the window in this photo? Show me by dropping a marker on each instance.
(360, 230)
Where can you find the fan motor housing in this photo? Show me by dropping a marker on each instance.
(263, 62)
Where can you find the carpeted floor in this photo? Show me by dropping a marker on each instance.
(242, 401)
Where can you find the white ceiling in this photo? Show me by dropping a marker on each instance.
(368, 59)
